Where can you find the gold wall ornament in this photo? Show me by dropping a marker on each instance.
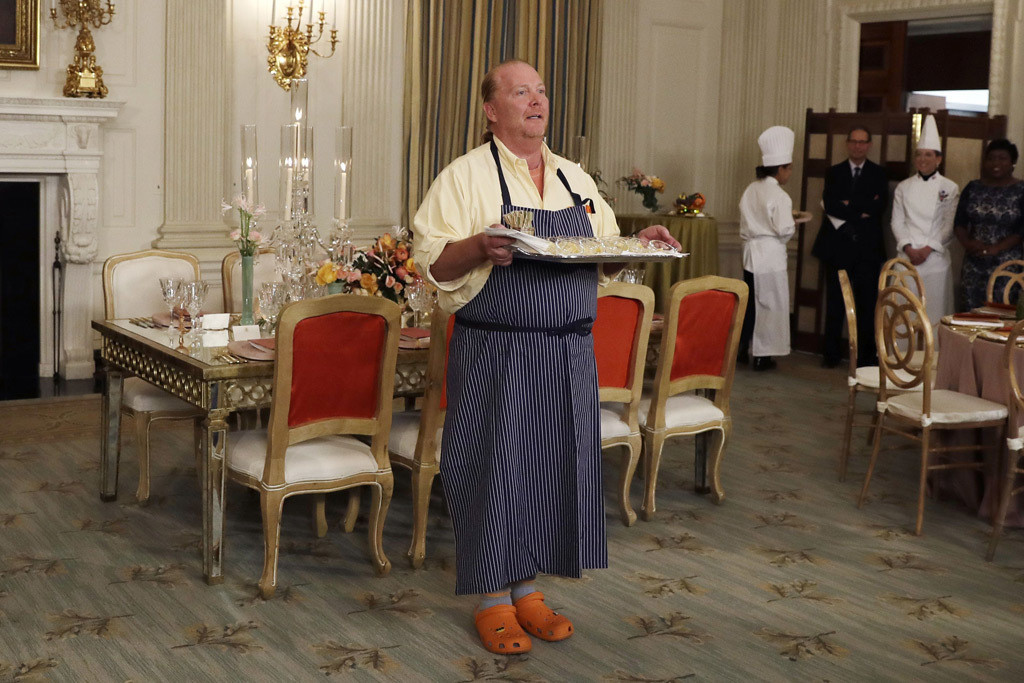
(85, 77)
(289, 45)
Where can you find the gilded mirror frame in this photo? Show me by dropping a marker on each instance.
(19, 34)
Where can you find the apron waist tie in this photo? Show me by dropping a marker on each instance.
(581, 327)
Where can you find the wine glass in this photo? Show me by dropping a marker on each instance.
(631, 275)
(195, 297)
(271, 298)
(420, 299)
(172, 289)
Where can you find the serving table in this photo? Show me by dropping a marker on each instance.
(216, 387)
(697, 235)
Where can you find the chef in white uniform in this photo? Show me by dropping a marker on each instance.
(766, 225)
(923, 208)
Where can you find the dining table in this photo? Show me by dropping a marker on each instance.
(216, 383)
(972, 361)
(697, 235)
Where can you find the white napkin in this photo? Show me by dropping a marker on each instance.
(215, 338)
(537, 245)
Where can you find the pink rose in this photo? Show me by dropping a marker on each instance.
(255, 236)
(389, 281)
(401, 272)
(401, 253)
(236, 234)
(353, 276)
(645, 183)
(398, 287)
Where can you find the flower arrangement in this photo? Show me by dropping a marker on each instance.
(690, 204)
(645, 186)
(382, 270)
(245, 236)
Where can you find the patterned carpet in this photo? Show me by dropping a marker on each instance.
(786, 580)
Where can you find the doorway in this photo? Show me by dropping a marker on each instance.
(934, 63)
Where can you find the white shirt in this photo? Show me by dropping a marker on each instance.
(923, 212)
(766, 224)
(466, 197)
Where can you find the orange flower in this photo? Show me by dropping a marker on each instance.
(410, 265)
(386, 242)
(401, 253)
(368, 282)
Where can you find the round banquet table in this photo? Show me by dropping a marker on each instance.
(973, 365)
(697, 235)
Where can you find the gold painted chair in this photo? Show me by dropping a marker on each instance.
(1014, 271)
(697, 354)
(415, 441)
(901, 325)
(131, 288)
(621, 332)
(899, 272)
(264, 270)
(334, 379)
(864, 379)
(1014, 441)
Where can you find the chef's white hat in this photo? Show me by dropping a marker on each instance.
(930, 135)
(776, 145)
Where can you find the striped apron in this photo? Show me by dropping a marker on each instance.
(521, 451)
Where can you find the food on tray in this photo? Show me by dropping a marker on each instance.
(521, 220)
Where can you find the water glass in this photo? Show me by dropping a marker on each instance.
(271, 298)
(193, 300)
(420, 300)
(633, 276)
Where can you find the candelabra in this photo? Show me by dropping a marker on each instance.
(289, 45)
(85, 77)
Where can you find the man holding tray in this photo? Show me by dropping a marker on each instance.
(521, 459)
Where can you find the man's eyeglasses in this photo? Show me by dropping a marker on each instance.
(858, 142)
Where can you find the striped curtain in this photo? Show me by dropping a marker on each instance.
(451, 44)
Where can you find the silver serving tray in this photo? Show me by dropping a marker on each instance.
(599, 258)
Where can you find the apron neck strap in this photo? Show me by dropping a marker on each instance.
(506, 199)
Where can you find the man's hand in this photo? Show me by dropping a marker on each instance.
(658, 232)
(496, 249)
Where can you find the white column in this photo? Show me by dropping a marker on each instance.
(197, 107)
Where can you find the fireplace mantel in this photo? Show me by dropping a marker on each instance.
(61, 137)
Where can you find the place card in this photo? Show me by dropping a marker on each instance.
(216, 321)
(215, 338)
(245, 332)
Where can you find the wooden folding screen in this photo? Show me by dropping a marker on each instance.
(893, 142)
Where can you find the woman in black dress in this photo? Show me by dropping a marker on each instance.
(990, 221)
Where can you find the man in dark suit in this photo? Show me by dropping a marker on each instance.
(850, 239)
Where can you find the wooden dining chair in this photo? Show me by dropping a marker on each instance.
(900, 326)
(335, 375)
(415, 441)
(864, 379)
(1014, 440)
(621, 332)
(264, 270)
(1013, 270)
(697, 355)
(899, 272)
(131, 288)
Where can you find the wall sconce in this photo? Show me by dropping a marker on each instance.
(289, 46)
(85, 77)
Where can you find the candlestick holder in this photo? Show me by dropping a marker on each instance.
(289, 45)
(85, 76)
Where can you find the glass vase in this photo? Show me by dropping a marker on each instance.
(336, 287)
(650, 202)
(247, 316)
